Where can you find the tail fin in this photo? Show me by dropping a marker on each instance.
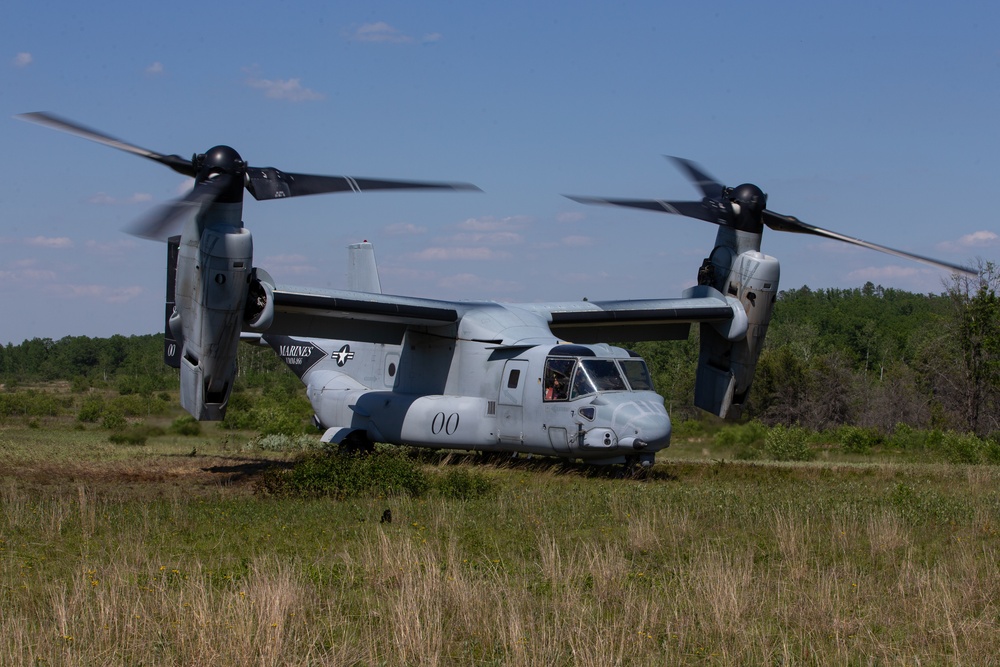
(362, 272)
(726, 368)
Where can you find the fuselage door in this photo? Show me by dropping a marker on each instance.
(510, 410)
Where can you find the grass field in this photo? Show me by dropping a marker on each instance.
(163, 553)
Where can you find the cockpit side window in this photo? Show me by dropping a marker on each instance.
(637, 374)
(557, 378)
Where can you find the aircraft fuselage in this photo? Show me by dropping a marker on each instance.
(590, 402)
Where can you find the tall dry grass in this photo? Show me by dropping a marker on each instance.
(758, 569)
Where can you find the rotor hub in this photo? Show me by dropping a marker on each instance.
(221, 160)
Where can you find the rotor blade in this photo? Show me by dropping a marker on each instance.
(168, 220)
(175, 162)
(689, 209)
(271, 183)
(708, 185)
(788, 223)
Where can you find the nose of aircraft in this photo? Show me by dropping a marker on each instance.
(642, 424)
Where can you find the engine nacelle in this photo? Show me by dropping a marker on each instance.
(726, 368)
(213, 273)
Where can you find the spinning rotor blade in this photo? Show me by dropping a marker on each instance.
(175, 162)
(709, 187)
(743, 208)
(168, 220)
(788, 223)
(270, 183)
(690, 209)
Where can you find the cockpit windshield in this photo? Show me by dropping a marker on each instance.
(570, 378)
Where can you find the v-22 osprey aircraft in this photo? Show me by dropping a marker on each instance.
(530, 378)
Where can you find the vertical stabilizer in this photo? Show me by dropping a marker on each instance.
(362, 272)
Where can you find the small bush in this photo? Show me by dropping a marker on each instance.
(135, 435)
(345, 476)
(856, 440)
(186, 425)
(130, 437)
(462, 484)
(91, 410)
(113, 421)
(746, 440)
(787, 444)
(969, 448)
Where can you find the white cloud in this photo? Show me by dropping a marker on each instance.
(981, 239)
(431, 37)
(49, 242)
(285, 89)
(23, 59)
(155, 68)
(24, 272)
(405, 229)
(380, 31)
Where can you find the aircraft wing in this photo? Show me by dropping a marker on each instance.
(362, 316)
(645, 319)
(384, 318)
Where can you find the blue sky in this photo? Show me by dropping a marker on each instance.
(874, 119)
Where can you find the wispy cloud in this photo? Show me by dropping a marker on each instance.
(381, 32)
(290, 90)
(49, 242)
(970, 242)
(23, 59)
(26, 271)
(154, 68)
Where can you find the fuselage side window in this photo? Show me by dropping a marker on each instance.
(557, 378)
(513, 378)
(637, 374)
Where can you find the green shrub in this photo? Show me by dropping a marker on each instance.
(462, 484)
(129, 437)
(186, 425)
(746, 440)
(347, 476)
(113, 420)
(92, 409)
(787, 444)
(857, 440)
(969, 448)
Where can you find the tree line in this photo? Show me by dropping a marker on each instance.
(871, 357)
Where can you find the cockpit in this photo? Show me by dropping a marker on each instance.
(574, 371)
